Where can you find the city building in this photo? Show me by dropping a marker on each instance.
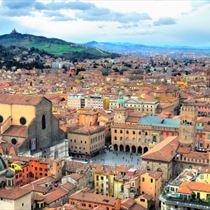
(142, 104)
(76, 101)
(85, 198)
(86, 140)
(190, 190)
(98, 102)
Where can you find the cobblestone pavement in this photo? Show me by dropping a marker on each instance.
(118, 158)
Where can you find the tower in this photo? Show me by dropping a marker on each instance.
(208, 78)
(187, 128)
(120, 113)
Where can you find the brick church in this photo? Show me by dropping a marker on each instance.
(28, 127)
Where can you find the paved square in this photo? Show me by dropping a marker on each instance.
(118, 158)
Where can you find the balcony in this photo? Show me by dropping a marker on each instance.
(187, 200)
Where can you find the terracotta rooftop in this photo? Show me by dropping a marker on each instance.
(19, 99)
(164, 151)
(93, 198)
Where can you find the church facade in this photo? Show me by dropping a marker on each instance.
(28, 126)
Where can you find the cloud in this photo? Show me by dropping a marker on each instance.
(104, 14)
(184, 13)
(14, 12)
(102, 26)
(165, 21)
(138, 32)
(63, 18)
(17, 8)
(128, 26)
(199, 3)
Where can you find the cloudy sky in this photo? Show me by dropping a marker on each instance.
(150, 22)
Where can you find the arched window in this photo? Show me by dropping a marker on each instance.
(139, 140)
(133, 132)
(115, 131)
(127, 132)
(43, 122)
(148, 168)
(139, 132)
(133, 139)
(146, 133)
(120, 131)
(159, 169)
(115, 138)
(127, 139)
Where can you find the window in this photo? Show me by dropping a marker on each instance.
(83, 204)
(90, 205)
(127, 139)
(14, 141)
(74, 140)
(43, 122)
(40, 174)
(146, 133)
(151, 180)
(72, 202)
(120, 131)
(22, 204)
(139, 132)
(127, 132)
(22, 120)
(115, 138)
(139, 140)
(133, 139)
(115, 131)
(40, 169)
(85, 142)
(121, 138)
(134, 132)
(1, 119)
(143, 179)
(35, 168)
(201, 144)
(202, 176)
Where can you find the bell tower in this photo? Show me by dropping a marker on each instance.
(187, 128)
(120, 113)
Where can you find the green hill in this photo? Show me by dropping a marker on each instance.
(54, 46)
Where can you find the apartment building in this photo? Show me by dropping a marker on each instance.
(98, 102)
(76, 101)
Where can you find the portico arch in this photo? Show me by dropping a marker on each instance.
(127, 148)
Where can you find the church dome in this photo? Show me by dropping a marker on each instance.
(9, 174)
(3, 165)
(120, 93)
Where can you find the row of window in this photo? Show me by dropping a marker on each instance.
(76, 141)
(132, 132)
(127, 139)
(134, 105)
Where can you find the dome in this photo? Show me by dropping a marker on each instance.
(3, 165)
(120, 93)
(9, 174)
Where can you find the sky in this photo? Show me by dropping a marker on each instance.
(150, 22)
